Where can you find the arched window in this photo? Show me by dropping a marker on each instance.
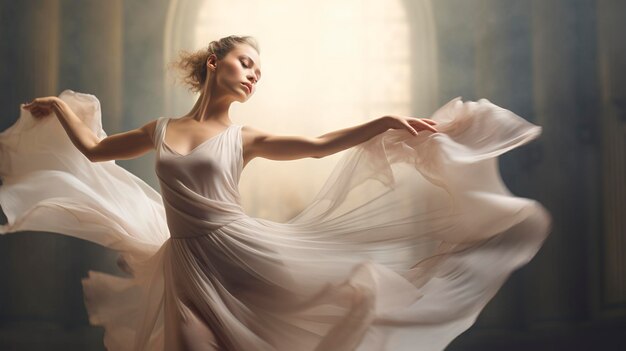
(326, 65)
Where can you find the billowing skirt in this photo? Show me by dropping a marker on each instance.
(401, 249)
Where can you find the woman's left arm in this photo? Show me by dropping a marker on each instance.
(278, 147)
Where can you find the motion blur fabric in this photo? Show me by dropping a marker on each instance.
(420, 231)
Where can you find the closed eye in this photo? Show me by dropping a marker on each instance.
(245, 65)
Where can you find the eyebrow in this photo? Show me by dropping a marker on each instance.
(258, 70)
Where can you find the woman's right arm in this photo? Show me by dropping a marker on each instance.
(122, 146)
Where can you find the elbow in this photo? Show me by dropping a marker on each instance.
(320, 154)
(316, 153)
(93, 158)
(320, 148)
(90, 155)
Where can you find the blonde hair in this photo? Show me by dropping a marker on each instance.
(192, 65)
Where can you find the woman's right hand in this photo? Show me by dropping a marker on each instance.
(42, 106)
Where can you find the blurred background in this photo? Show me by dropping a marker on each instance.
(328, 65)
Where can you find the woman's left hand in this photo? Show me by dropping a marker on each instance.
(412, 124)
(41, 107)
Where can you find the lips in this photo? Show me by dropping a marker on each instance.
(248, 86)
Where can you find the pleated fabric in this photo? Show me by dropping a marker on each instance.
(401, 249)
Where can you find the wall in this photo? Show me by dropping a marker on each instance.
(113, 50)
(558, 63)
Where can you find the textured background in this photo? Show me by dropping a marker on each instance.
(558, 63)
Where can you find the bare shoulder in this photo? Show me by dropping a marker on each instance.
(253, 130)
(252, 138)
(149, 128)
(251, 134)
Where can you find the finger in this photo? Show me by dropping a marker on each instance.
(429, 127)
(31, 104)
(37, 111)
(41, 115)
(429, 121)
(426, 126)
(410, 129)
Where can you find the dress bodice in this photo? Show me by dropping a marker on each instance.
(200, 189)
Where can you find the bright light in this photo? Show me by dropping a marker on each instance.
(326, 65)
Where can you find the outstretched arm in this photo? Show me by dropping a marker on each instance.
(278, 147)
(122, 146)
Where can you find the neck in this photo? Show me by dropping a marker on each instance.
(210, 107)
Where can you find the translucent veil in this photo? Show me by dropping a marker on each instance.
(424, 225)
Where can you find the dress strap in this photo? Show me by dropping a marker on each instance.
(159, 132)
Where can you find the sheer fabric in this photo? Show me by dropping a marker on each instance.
(421, 232)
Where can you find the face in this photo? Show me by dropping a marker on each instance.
(241, 67)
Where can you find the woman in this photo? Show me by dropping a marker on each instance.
(412, 234)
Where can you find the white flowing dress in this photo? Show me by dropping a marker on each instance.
(422, 230)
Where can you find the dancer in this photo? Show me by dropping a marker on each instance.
(411, 235)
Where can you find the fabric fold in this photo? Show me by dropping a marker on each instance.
(406, 242)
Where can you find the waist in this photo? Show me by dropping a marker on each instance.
(185, 225)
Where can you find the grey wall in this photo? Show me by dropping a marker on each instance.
(113, 50)
(558, 63)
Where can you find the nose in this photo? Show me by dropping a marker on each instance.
(252, 78)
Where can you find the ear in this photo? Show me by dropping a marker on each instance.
(211, 63)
